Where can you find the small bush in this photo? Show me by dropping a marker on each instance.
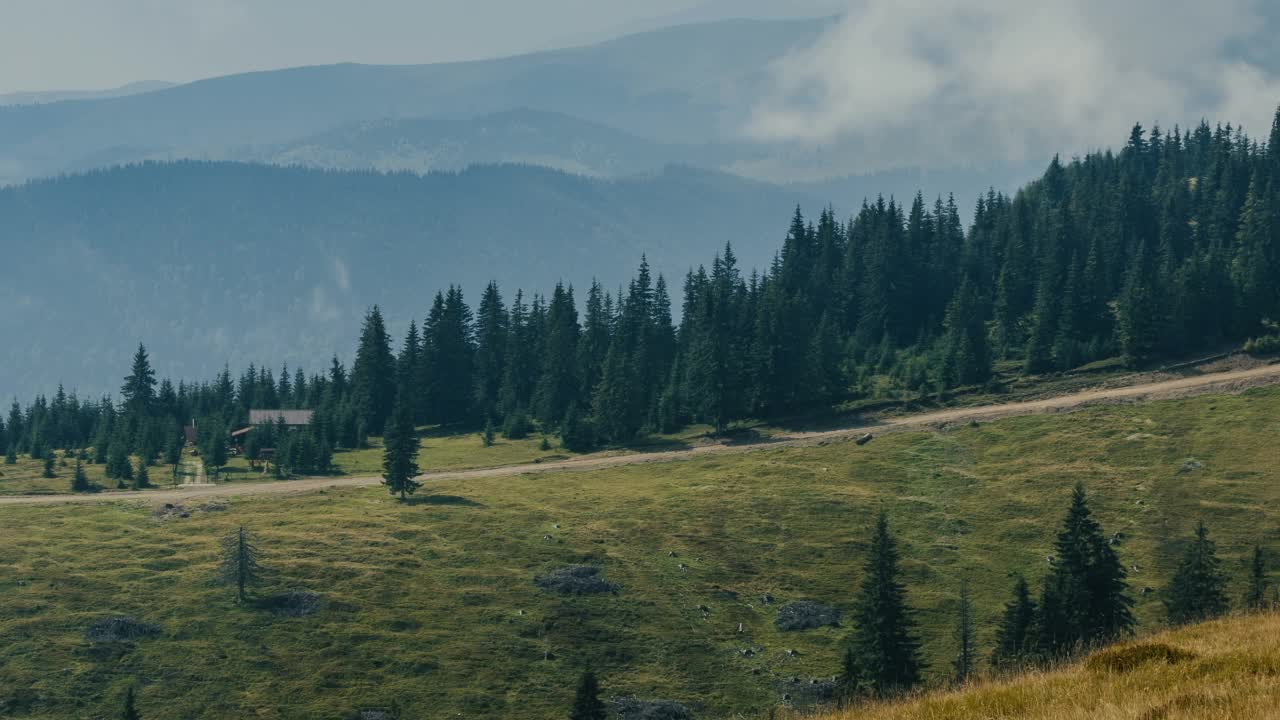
(575, 580)
(633, 708)
(1128, 658)
(805, 615)
(120, 629)
(1265, 345)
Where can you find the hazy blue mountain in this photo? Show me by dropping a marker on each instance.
(51, 96)
(211, 263)
(691, 84)
(522, 136)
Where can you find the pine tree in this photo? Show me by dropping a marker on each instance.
(884, 653)
(558, 390)
(48, 466)
(373, 376)
(11, 455)
(1085, 600)
(239, 562)
(587, 704)
(130, 710)
(577, 434)
(141, 478)
(966, 661)
(1197, 590)
(1256, 596)
(138, 391)
(80, 481)
(1015, 637)
(400, 452)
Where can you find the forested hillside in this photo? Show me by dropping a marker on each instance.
(1170, 246)
(214, 263)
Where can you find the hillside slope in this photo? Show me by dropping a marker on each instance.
(1224, 670)
(210, 263)
(432, 604)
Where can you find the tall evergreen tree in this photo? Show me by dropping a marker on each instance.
(130, 709)
(1015, 637)
(587, 704)
(1085, 600)
(1256, 596)
(884, 652)
(400, 452)
(373, 376)
(558, 390)
(966, 660)
(491, 348)
(1197, 590)
(239, 564)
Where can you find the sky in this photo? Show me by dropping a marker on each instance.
(100, 44)
(934, 81)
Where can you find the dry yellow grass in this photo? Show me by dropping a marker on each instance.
(1219, 670)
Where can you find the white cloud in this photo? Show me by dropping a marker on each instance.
(901, 82)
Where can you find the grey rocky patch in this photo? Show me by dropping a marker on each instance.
(1190, 465)
(634, 708)
(294, 603)
(807, 692)
(805, 615)
(865, 439)
(575, 580)
(120, 629)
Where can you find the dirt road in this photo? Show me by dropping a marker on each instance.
(1224, 382)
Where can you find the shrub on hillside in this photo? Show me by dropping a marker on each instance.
(1128, 658)
(1265, 345)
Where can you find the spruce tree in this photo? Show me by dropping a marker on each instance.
(1256, 596)
(141, 478)
(884, 653)
(80, 481)
(966, 661)
(1197, 590)
(48, 466)
(373, 376)
(130, 710)
(400, 451)
(239, 562)
(1085, 600)
(1015, 637)
(11, 455)
(587, 704)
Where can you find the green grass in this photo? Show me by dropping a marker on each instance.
(26, 477)
(431, 605)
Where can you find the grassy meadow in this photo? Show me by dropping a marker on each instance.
(1216, 671)
(430, 607)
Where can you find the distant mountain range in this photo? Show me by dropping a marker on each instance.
(52, 96)
(209, 263)
(690, 85)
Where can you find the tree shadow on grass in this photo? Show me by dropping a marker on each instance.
(448, 500)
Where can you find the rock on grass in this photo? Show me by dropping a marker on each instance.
(805, 615)
(120, 629)
(633, 708)
(575, 580)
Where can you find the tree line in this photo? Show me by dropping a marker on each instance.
(1170, 246)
